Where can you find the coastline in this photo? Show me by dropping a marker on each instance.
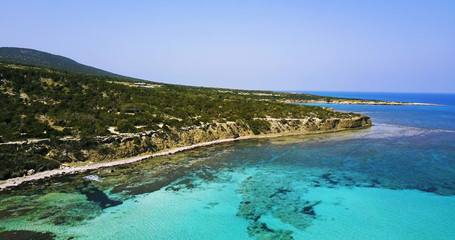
(12, 182)
(365, 103)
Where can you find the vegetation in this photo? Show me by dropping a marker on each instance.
(43, 103)
(67, 108)
(32, 57)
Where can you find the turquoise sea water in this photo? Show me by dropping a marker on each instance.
(395, 180)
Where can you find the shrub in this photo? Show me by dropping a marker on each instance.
(125, 127)
(259, 126)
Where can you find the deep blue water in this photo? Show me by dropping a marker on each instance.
(437, 98)
(395, 180)
(434, 117)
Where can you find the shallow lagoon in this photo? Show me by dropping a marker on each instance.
(395, 180)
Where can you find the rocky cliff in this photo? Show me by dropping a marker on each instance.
(115, 147)
(70, 152)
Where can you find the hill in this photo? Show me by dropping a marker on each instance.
(37, 58)
(52, 118)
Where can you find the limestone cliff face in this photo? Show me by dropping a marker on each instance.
(119, 147)
(340, 124)
(66, 152)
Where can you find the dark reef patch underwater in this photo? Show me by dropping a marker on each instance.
(26, 235)
(395, 180)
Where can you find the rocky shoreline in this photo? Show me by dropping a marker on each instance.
(118, 150)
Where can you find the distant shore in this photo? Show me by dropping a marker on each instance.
(12, 182)
(364, 102)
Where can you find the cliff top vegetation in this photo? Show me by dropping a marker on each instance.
(39, 102)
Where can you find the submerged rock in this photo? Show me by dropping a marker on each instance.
(260, 230)
(266, 194)
(309, 210)
(430, 189)
(26, 235)
(95, 195)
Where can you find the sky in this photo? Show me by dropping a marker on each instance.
(374, 46)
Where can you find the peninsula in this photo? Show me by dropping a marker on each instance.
(359, 102)
(68, 117)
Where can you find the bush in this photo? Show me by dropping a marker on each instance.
(125, 127)
(259, 126)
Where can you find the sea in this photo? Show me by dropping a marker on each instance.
(394, 180)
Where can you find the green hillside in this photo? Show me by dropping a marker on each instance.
(32, 57)
(39, 103)
(52, 116)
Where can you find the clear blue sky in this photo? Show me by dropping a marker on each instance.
(390, 46)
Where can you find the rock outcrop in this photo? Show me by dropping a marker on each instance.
(115, 147)
(68, 153)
